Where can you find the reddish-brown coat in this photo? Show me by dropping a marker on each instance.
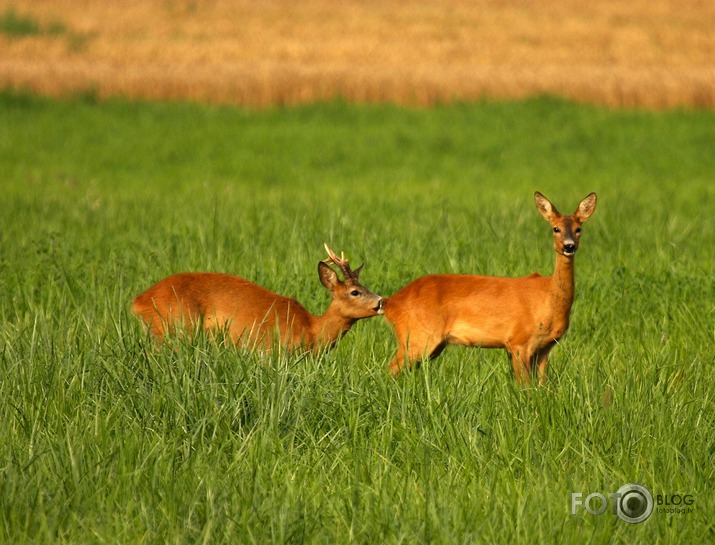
(525, 315)
(252, 315)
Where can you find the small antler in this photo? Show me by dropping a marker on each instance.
(342, 263)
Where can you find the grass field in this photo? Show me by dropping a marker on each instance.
(104, 439)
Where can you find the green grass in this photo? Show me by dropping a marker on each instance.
(105, 439)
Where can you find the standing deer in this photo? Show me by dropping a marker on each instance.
(527, 316)
(254, 316)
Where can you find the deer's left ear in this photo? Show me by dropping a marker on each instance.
(586, 208)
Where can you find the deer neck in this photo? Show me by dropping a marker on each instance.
(329, 327)
(562, 283)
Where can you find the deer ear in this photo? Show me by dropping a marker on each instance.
(545, 207)
(356, 272)
(328, 277)
(586, 208)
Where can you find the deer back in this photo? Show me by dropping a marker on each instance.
(248, 311)
(253, 315)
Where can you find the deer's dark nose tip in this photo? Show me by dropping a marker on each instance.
(569, 249)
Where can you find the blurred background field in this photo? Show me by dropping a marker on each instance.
(623, 54)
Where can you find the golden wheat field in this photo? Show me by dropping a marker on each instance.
(644, 53)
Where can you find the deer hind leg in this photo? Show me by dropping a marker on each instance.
(412, 348)
(399, 361)
(153, 325)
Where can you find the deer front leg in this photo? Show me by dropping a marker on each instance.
(542, 360)
(521, 365)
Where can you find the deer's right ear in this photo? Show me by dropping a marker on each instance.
(328, 276)
(544, 206)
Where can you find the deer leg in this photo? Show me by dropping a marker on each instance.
(521, 365)
(413, 349)
(157, 330)
(542, 360)
(398, 362)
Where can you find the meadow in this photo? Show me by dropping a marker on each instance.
(105, 438)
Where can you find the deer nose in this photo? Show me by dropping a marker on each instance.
(380, 306)
(569, 248)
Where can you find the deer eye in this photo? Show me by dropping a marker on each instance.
(557, 230)
(355, 293)
(578, 229)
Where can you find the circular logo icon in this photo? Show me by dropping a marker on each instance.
(634, 503)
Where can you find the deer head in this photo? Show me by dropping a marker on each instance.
(567, 229)
(355, 299)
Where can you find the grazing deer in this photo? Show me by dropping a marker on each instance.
(254, 316)
(525, 315)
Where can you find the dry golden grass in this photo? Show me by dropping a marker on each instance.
(645, 53)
